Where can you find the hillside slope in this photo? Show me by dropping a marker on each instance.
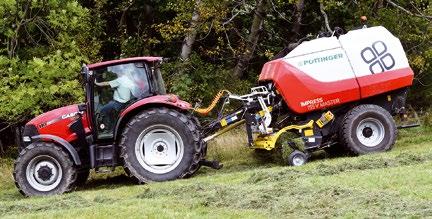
(393, 184)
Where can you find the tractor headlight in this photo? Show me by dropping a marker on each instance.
(26, 139)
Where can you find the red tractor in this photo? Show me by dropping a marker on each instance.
(58, 148)
(336, 92)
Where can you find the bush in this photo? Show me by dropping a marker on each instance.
(197, 80)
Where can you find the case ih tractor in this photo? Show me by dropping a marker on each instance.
(338, 92)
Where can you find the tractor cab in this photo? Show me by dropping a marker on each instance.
(114, 85)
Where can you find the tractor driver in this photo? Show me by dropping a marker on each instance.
(123, 87)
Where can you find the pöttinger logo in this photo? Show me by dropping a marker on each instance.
(378, 58)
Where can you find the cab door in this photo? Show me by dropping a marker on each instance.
(115, 88)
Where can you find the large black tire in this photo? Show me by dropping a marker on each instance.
(38, 167)
(160, 120)
(367, 129)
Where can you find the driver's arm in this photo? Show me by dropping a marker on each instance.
(102, 84)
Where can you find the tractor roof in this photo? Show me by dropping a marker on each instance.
(126, 60)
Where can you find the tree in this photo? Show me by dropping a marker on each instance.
(252, 40)
(189, 40)
(46, 42)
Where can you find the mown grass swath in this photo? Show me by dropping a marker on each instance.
(393, 184)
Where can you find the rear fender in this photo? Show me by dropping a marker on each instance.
(169, 101)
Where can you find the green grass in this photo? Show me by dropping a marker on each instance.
(394, 184)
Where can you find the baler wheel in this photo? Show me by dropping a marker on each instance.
(297, 158)
(161, 144)
(44, 168)
(367, 129)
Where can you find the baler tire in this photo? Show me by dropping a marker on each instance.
(377, 118)
(297, 158)
(151, 120)
(52, 153)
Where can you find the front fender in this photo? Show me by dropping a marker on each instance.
(61, 142)
(169, 100)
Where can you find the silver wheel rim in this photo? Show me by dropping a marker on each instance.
(44, 173)
(298, 160)
(159, 149)
(370, 132)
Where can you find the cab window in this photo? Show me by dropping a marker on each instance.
(116, 87)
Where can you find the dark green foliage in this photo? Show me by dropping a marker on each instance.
(43, 43)
(43, 47)
(197, 80)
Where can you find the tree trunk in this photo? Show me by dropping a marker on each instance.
(252, 40)
(326, 20)
(378, 5)
(189, 40)
(295, 30)
(298, 15)
(19, 22)
(1, 148)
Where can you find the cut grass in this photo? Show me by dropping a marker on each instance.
(393, 184)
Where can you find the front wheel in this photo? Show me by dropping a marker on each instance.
(161, 144)
(297, 158)
(42, 169)
(368, 128)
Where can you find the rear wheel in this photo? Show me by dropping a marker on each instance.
(367, 129)
(44, 169)
(161, 144)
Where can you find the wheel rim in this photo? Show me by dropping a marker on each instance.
(44, 173)
(298, 160)
(159, 149)
(370, 132)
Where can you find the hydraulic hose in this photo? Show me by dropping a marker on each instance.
(205, 111)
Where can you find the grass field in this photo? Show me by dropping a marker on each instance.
(394, 184)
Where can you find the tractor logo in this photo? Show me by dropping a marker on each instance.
(378, 58)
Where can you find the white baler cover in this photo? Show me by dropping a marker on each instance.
(357, 53)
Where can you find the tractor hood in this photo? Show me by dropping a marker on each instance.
(54, 116)
(56, 122)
